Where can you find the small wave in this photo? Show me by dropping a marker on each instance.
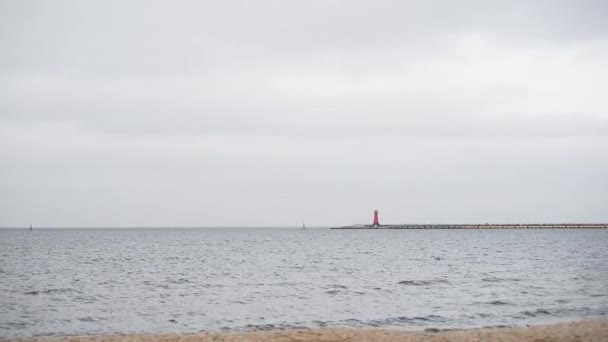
(379, 289)
(86, 319)
(437, 330)
(332, 292)
(422, 282)
(178, 281)
(267, 327)
(51, 291)
(16, 324)
(424, 319)
(403, 319)
(285, 283)
(351, 322)
(536, 313)
(320, 324)
(491, 279)
(498, 280)
(382, 322)
(85, 299)
(498, 302)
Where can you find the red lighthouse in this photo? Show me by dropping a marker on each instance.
(376, 221)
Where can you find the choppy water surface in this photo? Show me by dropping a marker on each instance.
(67, 282)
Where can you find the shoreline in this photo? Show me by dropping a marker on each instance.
(592, 330)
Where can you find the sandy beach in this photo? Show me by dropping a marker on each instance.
(596, 330)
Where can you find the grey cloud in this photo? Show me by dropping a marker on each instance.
(215, 112)
(152, 37)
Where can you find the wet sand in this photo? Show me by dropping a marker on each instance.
(577, 331)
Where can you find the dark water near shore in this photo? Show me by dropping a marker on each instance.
(66, 282)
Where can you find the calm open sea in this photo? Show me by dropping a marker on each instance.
(104, 281)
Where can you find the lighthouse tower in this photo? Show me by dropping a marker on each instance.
(376, 221)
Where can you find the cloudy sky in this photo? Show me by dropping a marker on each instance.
(267, 113)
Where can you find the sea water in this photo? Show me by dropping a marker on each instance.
(106, 281)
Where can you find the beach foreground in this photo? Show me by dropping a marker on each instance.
(578, 331)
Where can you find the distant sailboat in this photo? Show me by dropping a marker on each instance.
(31, 227)
(303, 226)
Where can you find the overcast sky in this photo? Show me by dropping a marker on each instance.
(268, 113)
